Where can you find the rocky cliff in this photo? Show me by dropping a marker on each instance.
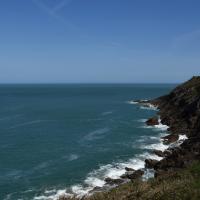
(180, 110)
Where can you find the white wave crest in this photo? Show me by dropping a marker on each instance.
(132, 102)
(106, 113)
(80, 191)
(72, 157)
(147, 155)
(97, 177)
(158, 146)
(97, 134)
(54, 196)
(144, 105)
(182, 137)
(159, 127)
(136, 102)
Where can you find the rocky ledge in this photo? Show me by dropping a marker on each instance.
(180, 110)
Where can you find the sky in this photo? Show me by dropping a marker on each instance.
(99, 41)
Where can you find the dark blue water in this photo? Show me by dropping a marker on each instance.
(53, 137)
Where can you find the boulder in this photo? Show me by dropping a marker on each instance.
(152, 121)
(111, 181)
(129, 169)
(127, 174)
(170, 138)
(135, 175)
(150, 163)
(162, 153)
(159, 153)
(124, 176)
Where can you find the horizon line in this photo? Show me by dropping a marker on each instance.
(84, 83)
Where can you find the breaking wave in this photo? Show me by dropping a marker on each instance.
(96, 178)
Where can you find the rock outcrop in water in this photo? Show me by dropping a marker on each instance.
(152, 121)
(180, 110)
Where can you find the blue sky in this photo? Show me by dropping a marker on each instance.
(103, 41)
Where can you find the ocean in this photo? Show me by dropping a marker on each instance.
(67, 138)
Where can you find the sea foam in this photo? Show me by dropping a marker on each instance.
(97, 134)
(96, 178)
(149, 107)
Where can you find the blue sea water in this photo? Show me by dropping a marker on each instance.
(69, 137)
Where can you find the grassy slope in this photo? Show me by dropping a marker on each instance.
(181, 185)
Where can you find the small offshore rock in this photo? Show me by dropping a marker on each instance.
(152, 121)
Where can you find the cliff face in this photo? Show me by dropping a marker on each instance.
(180, 110)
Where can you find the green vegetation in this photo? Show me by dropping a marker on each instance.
(181, 185)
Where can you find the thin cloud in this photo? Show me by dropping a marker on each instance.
(61, 5)
(53, 12)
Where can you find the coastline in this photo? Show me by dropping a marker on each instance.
(180, 144)
(115, 174)
(180, 111)
(134, 173)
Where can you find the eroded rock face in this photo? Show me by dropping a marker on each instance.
(152, 121)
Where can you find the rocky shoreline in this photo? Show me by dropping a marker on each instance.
(180, 111)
